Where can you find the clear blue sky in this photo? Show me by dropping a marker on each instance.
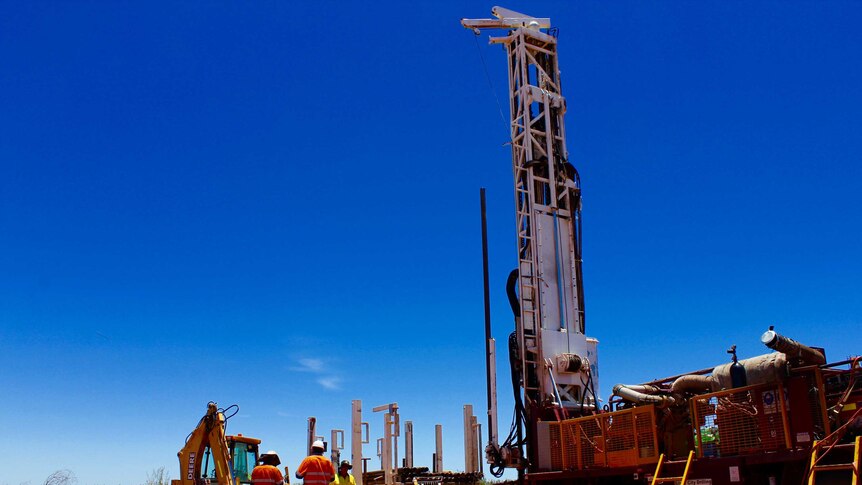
(276, 205)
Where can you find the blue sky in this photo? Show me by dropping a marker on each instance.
(276, 205)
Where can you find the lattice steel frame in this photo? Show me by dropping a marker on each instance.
(546, 184)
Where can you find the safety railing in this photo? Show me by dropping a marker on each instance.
(739, 421)
(617, 439)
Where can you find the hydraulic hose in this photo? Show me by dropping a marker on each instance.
(512, 293)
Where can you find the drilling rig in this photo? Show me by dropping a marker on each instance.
(724, 425)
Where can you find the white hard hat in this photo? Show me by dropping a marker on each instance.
(271, 453)
(318, 444)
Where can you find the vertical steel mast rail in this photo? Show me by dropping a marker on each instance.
(555, 356)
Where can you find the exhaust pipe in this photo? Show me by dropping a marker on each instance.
(795, 351)
(643, 394)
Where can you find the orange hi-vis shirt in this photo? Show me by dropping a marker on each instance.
(316, 470)
(266, 475)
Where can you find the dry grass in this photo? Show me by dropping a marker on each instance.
(61, 477)
(158, 476)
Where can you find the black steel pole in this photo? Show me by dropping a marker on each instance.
(488, 364)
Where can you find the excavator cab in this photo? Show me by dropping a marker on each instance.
(244, 453)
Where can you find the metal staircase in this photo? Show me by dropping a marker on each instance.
(656, 478)
(854, 467)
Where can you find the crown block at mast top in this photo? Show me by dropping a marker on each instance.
(507, 19)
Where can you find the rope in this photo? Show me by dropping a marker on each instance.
(592, 443)
(725, 404)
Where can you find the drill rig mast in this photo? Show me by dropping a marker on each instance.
(556, 363)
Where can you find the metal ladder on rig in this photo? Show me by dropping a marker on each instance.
(529, 293)
(657, 479)
(853, 467)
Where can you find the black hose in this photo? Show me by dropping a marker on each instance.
(511, 292)
(224, 411)
(593, 391)
(514, 439)
(586, 386)
(579, 270)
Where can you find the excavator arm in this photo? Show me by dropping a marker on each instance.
(210, 432)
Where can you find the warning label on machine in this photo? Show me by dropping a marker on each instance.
(770, 405)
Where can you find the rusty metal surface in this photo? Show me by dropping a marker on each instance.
(421, 475)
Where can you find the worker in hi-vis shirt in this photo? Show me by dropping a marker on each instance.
(267, 473)
(316, 469)
(343, 477)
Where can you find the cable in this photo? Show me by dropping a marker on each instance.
(595, 396)
(512, 441)
(196, 427)
(589, 387)
(225, 410)
(226, 416)
(491, 87)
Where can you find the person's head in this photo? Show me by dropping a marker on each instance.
(317, 447)
(344, 467)
(270, 458)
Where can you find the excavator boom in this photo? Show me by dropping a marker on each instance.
(207, 448)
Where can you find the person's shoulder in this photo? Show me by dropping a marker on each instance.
(264, 469)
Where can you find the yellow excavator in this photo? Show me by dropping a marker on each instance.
(211, 457)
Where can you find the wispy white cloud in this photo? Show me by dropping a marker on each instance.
(309, 365)
(332, 383)
(318, 366)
